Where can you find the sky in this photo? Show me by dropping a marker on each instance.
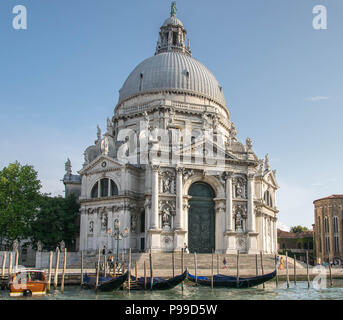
(282, 81)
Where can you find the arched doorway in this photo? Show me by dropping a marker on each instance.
(201, 218)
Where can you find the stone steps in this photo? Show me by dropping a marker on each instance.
(163, 261)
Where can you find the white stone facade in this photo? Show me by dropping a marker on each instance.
(159, 143)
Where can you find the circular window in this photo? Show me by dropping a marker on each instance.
(104, 164)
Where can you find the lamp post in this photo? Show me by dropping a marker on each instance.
(118, 235)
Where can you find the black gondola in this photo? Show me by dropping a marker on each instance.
(220, 280)
(158, 283)
(105, 283)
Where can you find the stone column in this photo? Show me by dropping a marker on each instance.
(228, 193)
(179, 200)
(275, 236)
(251, 213)
(147, 207)
(154, 206)
(83, 230)
(263, 233)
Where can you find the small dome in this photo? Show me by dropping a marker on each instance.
(172, 71)
(172, 21)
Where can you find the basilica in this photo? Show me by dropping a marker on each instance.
(169, 171)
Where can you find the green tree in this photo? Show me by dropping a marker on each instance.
(56, 220)
(298, 229)
(19, 199)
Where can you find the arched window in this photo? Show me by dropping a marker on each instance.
(104, 188)
(268, 198)
(326, 225)
(114, 189)
(94, 193)
(335, 224)
(319, 229)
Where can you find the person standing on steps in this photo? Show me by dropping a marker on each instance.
(224, 263)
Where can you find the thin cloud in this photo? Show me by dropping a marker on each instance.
(317, 98)
(280, 225)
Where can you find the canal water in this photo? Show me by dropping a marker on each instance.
(298, 292)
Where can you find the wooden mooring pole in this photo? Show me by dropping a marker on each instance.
(295, 270)
(256, 262)
(307, 271)
(212, 271)
(144, 274)
(182, 266)
(56, 268)
(151, 270)
(261, 254)
(287, 274)
(10, 265)
(276, 270)
(97, 271)
(173, 263)
(64, 269)
(330, 273)
(16, 259)
(104, 271)
(3, 264)
(49, 272)
(129, 272)
(237, 266)
(218, 267)
(195, 267)
(81, 275)
(136, 270)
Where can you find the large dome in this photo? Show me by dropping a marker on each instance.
(172, 71)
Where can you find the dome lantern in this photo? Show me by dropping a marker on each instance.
(172, 37)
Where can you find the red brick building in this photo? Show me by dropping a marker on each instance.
(296, 243)
(328, 226)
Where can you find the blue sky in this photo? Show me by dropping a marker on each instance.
(282, 81)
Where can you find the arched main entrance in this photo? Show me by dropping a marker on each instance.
(201, 218)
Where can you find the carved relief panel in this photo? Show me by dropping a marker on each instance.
(167, 184)
(239, 186)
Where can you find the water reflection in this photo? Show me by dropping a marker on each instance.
(298, 292)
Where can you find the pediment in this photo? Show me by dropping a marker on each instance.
(205, 145)
(269, 178)
(102, 162)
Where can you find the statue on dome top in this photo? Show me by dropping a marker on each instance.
(173, 9)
